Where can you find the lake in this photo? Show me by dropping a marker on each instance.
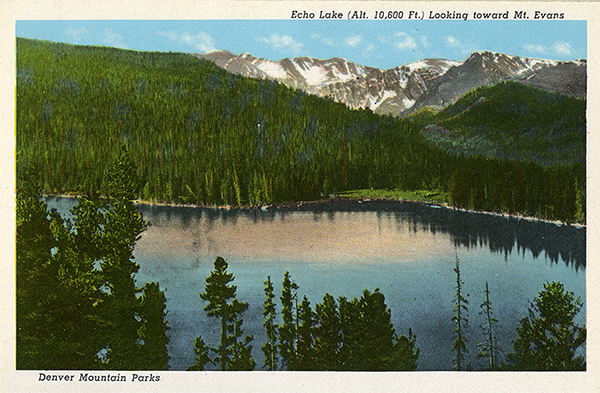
(407, 250)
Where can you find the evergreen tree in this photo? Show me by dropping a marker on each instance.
(328, 335)
(287, 330)
(154, 329)
(459, 318)
(369, 341)
(58, 324)
(407, 352)
(77, 303)
(124, 224)
(241, 351)
(488, 348)
(231, 354)
(270, 313)
(202, 358)
(306, 331)
(548, 338)
(75, 311)
(351, 327)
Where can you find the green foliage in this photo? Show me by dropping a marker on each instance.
(488, 348)
(431, 196)
(154, 329)
(548, 338)
(511, 120)
(287, 330)
(271, 328)
(198, 134)
(328, 335)
(202, 358)
(77, 303)
(460, 308)
(369, 340)
(423, 116)
(202, 136)
(59, 325)
(306, 335)
(231, 354)
(121, 230)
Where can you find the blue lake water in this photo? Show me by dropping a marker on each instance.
(407, 250)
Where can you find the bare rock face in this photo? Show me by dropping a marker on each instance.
(398, 91)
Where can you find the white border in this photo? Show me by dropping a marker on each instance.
(27, 381)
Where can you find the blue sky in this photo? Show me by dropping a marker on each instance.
(381, 44)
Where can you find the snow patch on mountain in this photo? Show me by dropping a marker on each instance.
(272, 69)
(397, 91)
(341, 76)
(314, 76)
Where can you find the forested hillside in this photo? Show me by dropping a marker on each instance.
(511, 120)
(202, 136)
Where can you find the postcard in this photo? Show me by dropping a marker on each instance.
(299, 196)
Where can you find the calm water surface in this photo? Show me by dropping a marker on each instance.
(406, 250)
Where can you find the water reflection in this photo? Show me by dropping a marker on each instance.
(405, 249)
(500, 234)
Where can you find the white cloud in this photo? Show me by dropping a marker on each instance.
(324, 40)
(328, 42)
(425, 41)
(563, 48)
(277, 41)
(370, 49)
(405, 41)
(464, 48)
(354, 40)
(452, 41)
(77, 34)
(535, 48)
(202, 41)
(113, 39)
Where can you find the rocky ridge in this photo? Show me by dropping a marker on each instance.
(397, 91)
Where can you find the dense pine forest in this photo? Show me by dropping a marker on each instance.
(199, 135)
(512, 121)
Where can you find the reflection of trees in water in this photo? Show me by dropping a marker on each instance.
(498, 233)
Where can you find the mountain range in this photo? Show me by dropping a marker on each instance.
(399, 91)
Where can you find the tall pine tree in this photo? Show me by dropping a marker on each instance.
(287, 330)
(460, 308)
(232, 353)
(123, 227)
(271, 328)
(154, 329)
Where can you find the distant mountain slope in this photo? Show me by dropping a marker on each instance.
(512, 121)
(401, 90)
(487, 68)
(383, 91)
(568, 78)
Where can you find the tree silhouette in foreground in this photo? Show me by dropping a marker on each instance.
(548, 339)
(460, 305)
(78, 306)
(488, 348)
(348, 335)
(271, 328)
(231, 354)
(287, 330)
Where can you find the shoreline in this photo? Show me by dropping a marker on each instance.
(341, 199)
